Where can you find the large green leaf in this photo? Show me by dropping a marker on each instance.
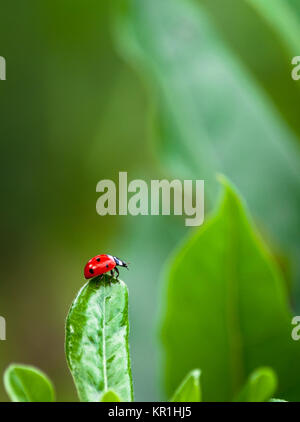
(260, 386)
(25, 383)
(189, 390)
(271, 24)
(226, 309)
(295, 8)
(97, 340)
(213, 115)
(283, 21)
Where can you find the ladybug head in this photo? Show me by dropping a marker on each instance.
(120, 263)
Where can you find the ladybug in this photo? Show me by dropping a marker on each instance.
(101, 264)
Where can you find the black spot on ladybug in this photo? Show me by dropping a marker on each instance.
(91, 270)
(106, 265)
(98, 259)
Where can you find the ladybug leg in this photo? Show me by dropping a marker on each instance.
(99, 279)
(117, 271)
(112, 273)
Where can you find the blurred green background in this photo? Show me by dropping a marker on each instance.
(160, 89)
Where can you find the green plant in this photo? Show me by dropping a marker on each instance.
(234, 314)
(27, 384)
(97, 340)
(226, 312)
(260, 386)
(97, 351)
(211, 96)
(220, 104)
(189, 389)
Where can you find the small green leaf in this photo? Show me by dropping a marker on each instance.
(110, 397)
(27, 384)
(260, 386)
(277, 400)
(189, 390)
(97, 340)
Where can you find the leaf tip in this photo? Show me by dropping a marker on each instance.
(110, 396)
(228, 186)
(195, 373)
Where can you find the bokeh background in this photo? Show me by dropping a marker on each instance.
(160, 89)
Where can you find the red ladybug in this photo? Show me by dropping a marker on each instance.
(101, 264)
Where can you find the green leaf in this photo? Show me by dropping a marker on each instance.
(277, 400)
(226, 309)
(212, 113)
(189, 390)
(271, 24)
(282, 18)
(27, 384)
(260, 386)
(97, 348)
(110, 396)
